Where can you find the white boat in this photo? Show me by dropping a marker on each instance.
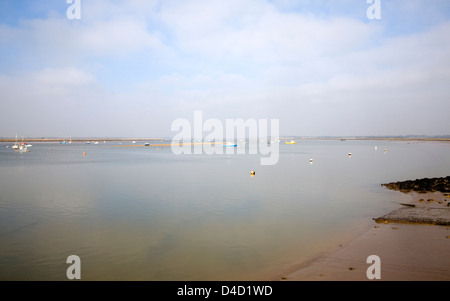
(22, 148)
(15, 146)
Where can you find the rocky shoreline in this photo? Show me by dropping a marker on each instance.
(410, 250)
(430, 202)
(421, 185)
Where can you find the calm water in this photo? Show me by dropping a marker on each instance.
(141, 213)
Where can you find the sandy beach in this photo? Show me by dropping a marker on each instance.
(409, 248)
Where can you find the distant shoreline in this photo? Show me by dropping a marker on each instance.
(29, 139)
(77, 139)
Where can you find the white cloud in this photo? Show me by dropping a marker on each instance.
(231, 59)
(258, 31)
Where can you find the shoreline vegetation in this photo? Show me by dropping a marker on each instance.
(412, 242)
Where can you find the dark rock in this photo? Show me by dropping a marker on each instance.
(421, 185)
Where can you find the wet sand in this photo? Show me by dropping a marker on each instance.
(409, 249)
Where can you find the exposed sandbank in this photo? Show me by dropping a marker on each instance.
(412, 242)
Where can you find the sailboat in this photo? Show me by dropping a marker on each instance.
(21, 147)
(15, 146)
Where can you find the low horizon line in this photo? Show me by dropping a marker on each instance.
(321, 137)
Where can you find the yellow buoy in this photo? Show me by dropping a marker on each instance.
(252, 173)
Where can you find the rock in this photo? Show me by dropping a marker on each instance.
(421, 185)
(417, 215)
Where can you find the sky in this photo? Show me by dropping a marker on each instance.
(130, 68)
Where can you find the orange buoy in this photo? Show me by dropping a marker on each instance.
(84, 154)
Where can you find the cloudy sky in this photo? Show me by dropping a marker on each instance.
(130, 68)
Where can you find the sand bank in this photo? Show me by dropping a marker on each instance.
(409, 248)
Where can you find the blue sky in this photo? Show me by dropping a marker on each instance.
(129, 68)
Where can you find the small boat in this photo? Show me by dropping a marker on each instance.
(147, 144)
(230, 145)
(15, 146)
(290, 142)
(22, 148)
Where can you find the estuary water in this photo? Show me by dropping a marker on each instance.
(144, 213)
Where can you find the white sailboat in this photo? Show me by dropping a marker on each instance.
(23, 148)
(15, 146)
